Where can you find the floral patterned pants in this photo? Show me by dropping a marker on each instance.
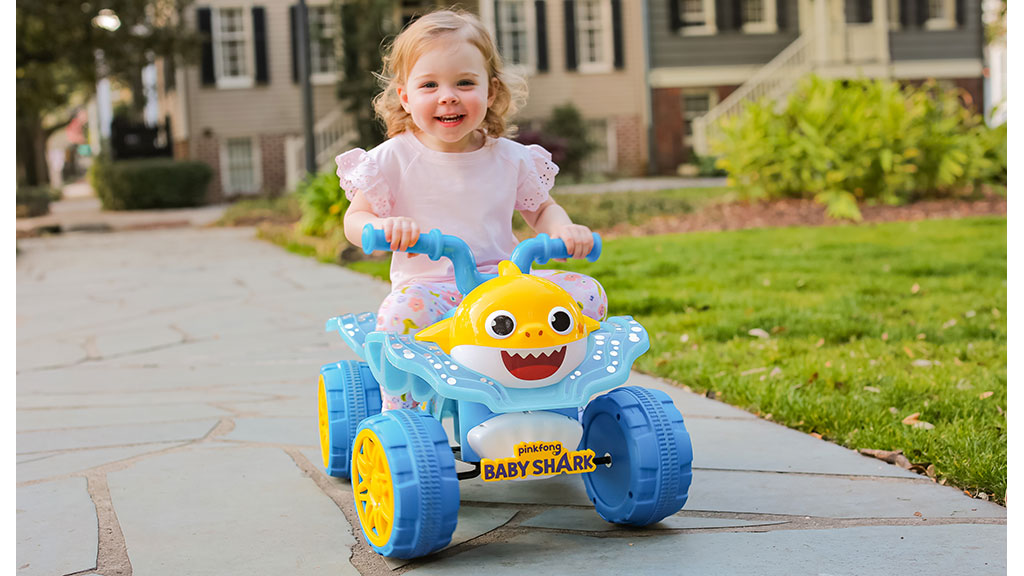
(416, 306)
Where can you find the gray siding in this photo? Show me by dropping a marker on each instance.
(728, 47)
(966, 41)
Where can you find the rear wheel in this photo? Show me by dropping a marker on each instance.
(347, 393)
(651, 455)
(404, 484)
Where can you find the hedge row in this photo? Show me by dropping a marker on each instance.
(148, 184)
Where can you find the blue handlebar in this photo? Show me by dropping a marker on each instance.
(542, 248)
(437, 245)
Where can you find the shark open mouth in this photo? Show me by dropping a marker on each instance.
(535, 366)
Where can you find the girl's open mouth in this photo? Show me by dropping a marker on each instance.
(451, 120)
(535, 366)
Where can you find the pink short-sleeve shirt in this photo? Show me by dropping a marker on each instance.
(472, 195)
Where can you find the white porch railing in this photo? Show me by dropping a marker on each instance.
(332, 135)
(774, 80)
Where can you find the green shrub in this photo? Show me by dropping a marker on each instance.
(35, 200)
(323, 205)
(567, 123)
(148, 184)
(846, 142)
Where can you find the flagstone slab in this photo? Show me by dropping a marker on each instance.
(588, 520)
(221, 509)
(57, 528)
(979, 550)
(832, 496)
(297, 431)
(106, 436)
(559, 490)
(58, 464)
(473, 522)
(144, 400)
(29, 420)
(690, 404)
(766, 446)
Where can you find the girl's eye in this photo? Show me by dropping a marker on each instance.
(500, 324)
(560, 320)
(466, 83)
(429, 85)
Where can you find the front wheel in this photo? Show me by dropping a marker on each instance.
(651, 455)
(347, 393)
(404, 484)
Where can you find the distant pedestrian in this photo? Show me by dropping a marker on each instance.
(446, 103)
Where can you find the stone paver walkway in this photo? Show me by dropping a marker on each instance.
(166, 425)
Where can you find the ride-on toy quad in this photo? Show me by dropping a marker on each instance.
(513, 366)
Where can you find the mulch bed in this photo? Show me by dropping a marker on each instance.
(793, 212)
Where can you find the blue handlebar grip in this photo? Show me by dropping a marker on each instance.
(542, 248)
(429, 243)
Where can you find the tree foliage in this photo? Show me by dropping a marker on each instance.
(367, 27)
(61, 53)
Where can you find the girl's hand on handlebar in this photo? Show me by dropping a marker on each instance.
(401, 232)
(579, 240)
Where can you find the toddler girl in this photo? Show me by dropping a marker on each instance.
(447, 166)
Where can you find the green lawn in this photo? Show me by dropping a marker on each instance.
(842, 332)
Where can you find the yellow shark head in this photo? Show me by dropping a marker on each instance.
(521, 330)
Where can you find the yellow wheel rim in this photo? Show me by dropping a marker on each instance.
(371, 486)
(325, 425)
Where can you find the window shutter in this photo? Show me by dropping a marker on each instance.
(781, 16)
(617, 50)
(908, 13)
(293, 21)
(204, 18)
(497, 26)
(723, 15)
(571, 58)
(674, 21)
(259, 32)
(922, 12)
(737, 14)
(540, 10)
(961, 13)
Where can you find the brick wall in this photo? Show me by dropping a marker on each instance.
(668, 129)
(207, 149)
(629, 145)
(272, 154)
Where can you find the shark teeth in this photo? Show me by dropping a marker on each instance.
(535, 354)
(533, 364)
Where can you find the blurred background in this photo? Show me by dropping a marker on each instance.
(618, 88)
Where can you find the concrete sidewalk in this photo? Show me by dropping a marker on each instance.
(166, 425)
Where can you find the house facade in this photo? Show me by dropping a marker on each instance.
(709, 56)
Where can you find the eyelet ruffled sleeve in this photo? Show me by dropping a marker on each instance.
(359, 172)
(535, 188)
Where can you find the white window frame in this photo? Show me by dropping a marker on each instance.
(607, 42)
(320, 78)
(708, 28)
(712, 95)
(946, 21)
(225, 167)
(502, 26)
(249, 49)
(894, 14)
(768, 25)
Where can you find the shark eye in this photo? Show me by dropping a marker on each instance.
(560, 320)
(500, 324)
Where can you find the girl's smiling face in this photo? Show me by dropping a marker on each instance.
(447, 93)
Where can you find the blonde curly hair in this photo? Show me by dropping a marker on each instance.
(415, 40)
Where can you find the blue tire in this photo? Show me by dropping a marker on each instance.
(405, 488)
(347, 395)
(650, 472)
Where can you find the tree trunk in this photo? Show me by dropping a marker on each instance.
(31, 152)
